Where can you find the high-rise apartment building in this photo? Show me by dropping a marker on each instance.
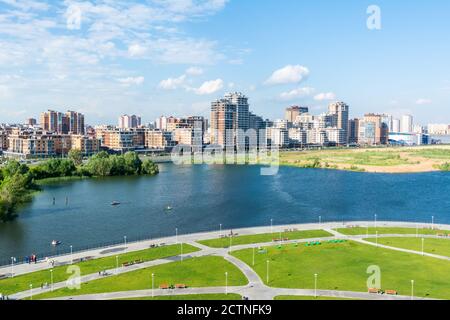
(340, 116)
(223, 123)
(293, 112)
(373, 130)
(62, 123)
(353, 129)
(129, 121)
(407, 123)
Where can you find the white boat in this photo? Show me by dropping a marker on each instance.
(56, 243)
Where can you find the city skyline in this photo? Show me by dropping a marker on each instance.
(152, 58)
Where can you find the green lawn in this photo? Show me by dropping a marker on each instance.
(434, 246)
(343, 267)
(197, 272)
(193, 297)
(308, 298)
(388, 230)
(346, 157)
(264, 238)
(22, 283)
(433, 153)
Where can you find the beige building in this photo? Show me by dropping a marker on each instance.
(157, 139)
(223, 122)
(3, 140)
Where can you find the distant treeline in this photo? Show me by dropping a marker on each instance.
(17, 181)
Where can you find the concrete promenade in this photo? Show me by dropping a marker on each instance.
(255, 290)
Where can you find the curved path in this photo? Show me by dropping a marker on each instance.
(255, 290)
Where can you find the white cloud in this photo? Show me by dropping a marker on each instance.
(209, 87)
(423, 101)
(297, 93)
(136, 50)
(131, 81)
(194, 71)
(172, 83)
(288, 74)
(324, 96)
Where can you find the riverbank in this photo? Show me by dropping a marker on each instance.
(372, 160)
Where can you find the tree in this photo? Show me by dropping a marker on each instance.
(76, 156)
(133, 163)
(150, 168)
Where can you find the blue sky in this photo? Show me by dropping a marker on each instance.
(163, 57)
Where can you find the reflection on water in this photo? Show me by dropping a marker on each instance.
(203, 197)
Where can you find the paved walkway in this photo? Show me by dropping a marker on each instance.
(255, 290)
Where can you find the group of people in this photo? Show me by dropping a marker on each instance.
(31, 259)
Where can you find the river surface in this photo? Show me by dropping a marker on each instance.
(203, 197)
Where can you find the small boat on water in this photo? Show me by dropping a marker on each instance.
(56, 243)
(169, 208)
(115, 203)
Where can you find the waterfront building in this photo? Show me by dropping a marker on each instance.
(373, 130)
(3, 140)
(396, 126)
(438, 129)
(223, 123)
(87, 145)
(407, 124)
(62, 123)
(278, 137)
(158, 139)
(340, 116)
(353, 129)
(121, 140)
(31, 122)
(293, 112)
(129, 121)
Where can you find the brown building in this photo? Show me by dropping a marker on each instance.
(62, 123)
(293, 112)
(3, 140)
(87, 145)
(223, 122)
(373, 130)
(157, 139)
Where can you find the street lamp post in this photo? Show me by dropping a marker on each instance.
(153, 285)
(117, 265)
(176, 235)
(253, 261)
(376, 238)
(220, 226)
(432, 222)
(12, 266)
(51, 280)
(375, 221)
(125, 241)
(320, 220)
(271, 226)
(226, 283)
(181, 255)
(71, 254)
(315, 285)
(412, 289)
(423, 246)
(267, 272)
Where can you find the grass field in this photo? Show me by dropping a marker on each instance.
(22, 283)
(360, 231)
(319, 298)
(434, 246)
(344, 267)
(197, 272)
(194, 297)
(264, 238)
(389, 160)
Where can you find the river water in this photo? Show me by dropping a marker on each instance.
(203, 197)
